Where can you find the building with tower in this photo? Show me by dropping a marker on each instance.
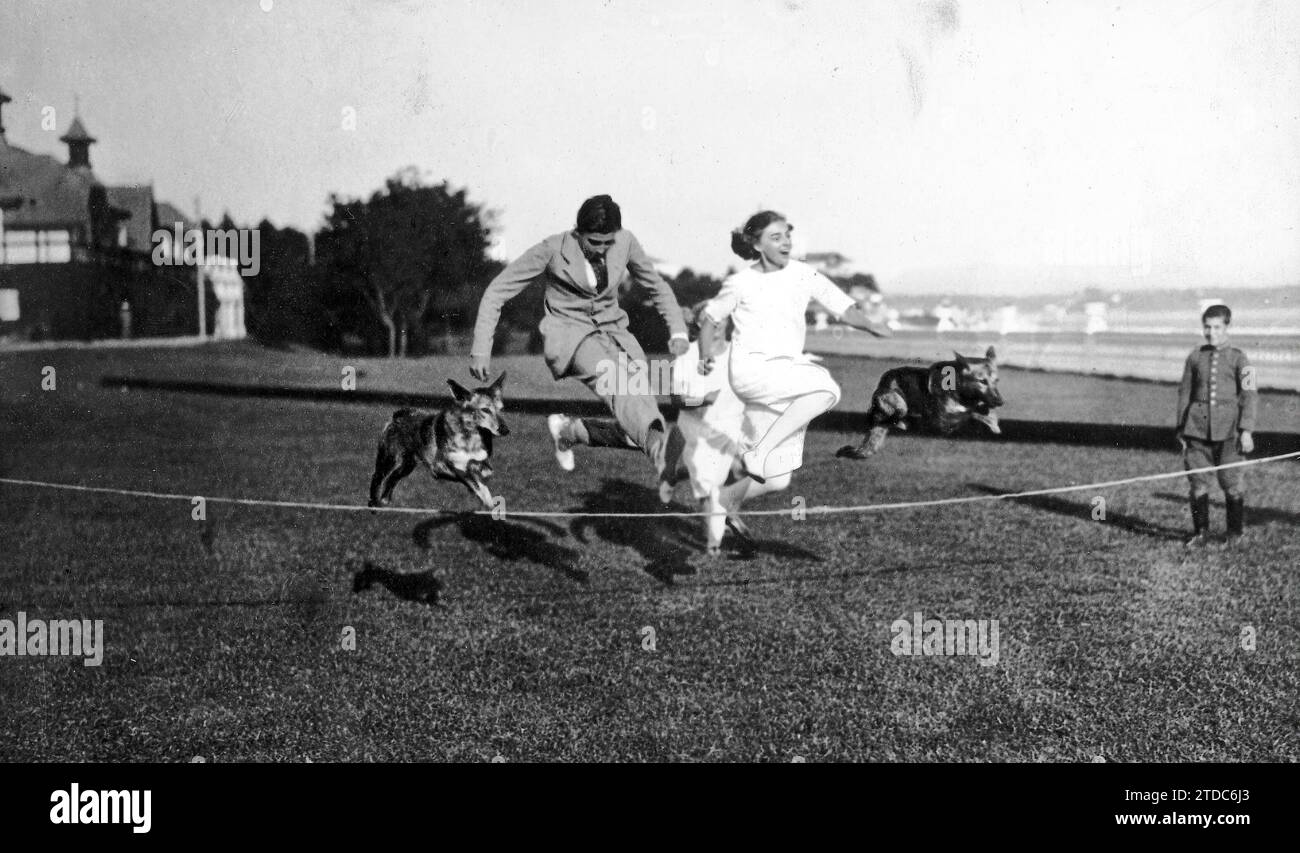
(75, 254)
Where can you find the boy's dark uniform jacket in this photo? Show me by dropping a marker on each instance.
(1213, 402)
(573, 309)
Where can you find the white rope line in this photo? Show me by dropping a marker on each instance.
(505, 512)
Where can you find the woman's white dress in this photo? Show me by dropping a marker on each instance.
(766, 368)
(768, 364)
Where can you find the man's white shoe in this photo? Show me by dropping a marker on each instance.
(666, 489)
(558, 425)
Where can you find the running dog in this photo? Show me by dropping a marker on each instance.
(454, 443)
(941, 398)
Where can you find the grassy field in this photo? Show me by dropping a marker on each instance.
(223, 636)
(1031, 395)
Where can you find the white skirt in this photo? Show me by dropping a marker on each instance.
(715, 434)
(776, 380)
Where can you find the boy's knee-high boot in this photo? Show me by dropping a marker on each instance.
(1236, 514)
(1200, 520)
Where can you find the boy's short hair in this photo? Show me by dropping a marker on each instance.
(1218, 311)
(599, 215)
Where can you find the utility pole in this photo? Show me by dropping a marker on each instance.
(198, 272)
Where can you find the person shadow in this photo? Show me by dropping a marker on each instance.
(1083, 510)
(421, 587)
(670, 545)
(1254, 514)
(511, 541)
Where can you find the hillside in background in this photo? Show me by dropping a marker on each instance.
(1268, 310)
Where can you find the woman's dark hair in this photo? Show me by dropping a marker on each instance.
(743, 239)
(599, 215)
(1218, 311)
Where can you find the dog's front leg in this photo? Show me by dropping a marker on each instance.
(887, 409)
(990, 419)
(479, 490)
(473, 479)
(871, 443)
(875, 439)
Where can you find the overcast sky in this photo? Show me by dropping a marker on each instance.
(941, 145)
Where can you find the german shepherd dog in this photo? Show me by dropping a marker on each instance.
(454, 443)
(942, 398)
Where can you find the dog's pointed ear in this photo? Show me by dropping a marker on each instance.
(961, 359)
(991, 355)
(460, 392)
(497, 386)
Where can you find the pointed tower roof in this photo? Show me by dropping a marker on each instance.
(79, 142)
(77, 132)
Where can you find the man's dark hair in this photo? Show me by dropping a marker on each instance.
(1218, 311)
(599, 215)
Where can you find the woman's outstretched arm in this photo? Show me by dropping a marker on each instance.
(859, 319)
(845, 309)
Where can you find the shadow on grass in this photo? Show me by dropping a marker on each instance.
(510, 541)
(670, 545)
(305, 592)
(1083, 511)
(784, 580)
(1254, 514)
(14, 508)
(421, 587)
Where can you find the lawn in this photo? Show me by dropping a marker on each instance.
(223, 635)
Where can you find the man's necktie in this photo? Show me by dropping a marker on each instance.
(602, 274)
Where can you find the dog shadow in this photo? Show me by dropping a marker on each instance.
(670, 545)
(1073, 509)
(750, 548)
(420, 587)
(1254, 514)
(509, 541)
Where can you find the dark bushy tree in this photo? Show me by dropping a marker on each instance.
(692, 287)
(858, 279)
(643, 318)
(406, 263)
(282, 302)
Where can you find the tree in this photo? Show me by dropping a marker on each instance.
(409, 252)
(692, 288)
(858, 279)
(282, 301)
(643, 319)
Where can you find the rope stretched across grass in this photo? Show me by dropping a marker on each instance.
(811, 510)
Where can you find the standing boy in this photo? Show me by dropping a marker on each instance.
(1216, 414)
